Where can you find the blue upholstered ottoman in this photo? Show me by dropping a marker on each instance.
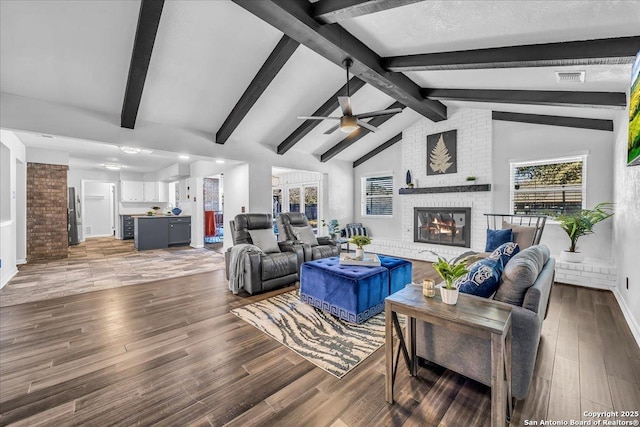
(352, 293)
(400, 272)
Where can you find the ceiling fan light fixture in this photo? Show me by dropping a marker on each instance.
(348, 124)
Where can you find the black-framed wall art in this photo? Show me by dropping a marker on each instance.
(441, 153)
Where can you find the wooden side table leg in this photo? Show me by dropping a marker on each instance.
(411, 345)
(498, 389)
(388, 349)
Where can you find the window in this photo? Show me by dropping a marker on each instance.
(548, 187)
(377, 196)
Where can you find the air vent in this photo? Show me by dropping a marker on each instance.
(570, 77)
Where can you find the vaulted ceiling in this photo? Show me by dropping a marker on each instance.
(243, 70)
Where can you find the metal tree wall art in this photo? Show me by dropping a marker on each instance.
(441, 153)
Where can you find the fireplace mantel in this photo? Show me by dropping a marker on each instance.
(449, 189)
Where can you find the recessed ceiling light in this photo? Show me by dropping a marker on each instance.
(183, 156)
(113, 166)
(219, 161)
(130, 150)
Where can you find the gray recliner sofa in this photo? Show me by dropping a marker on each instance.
(471, 356)
(264, 271)
(288, 222)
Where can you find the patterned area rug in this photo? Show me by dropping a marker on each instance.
(326, 341)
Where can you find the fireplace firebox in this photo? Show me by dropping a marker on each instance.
(442, 226)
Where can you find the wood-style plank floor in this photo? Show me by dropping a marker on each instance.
(103, 263)
(170, 353)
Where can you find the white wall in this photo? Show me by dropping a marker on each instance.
(522, 142)
(389, 161)
(626, 226)
(97, 209)
(49, 157)
(236, 181)
(13, 157)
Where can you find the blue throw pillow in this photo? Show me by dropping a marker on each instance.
(495, 238)
(505, 252)
(482, 279)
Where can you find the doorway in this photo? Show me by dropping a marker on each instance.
(98, 208)
(213, 205)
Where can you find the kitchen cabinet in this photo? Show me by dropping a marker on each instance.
(151, 233)
(144, 191)
(157, 232)
(131, 191)
(127, 227)
(179, 231)
(150, 191)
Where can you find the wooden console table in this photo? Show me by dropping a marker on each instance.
(482, 319)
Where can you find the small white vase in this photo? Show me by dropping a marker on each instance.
(359, 254)
(449, 296)
(571, 256)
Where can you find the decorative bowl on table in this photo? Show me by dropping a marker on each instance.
(176, 211)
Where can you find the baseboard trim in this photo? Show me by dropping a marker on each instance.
(21, 261)
(587, 285)
(626, 312)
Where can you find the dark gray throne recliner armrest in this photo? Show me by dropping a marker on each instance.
(471, 356)
(264, 271)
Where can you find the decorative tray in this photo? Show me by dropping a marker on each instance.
(370, 260)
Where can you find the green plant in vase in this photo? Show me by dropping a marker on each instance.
(581, 224)
(333, 228)
(360, 241)
(450, 271)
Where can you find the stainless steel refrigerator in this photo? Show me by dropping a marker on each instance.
(73, 216)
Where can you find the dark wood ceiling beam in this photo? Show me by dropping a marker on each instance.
(356, 135)
(333, 42)
(540, 119)
(378, 150)
(148, 22)
(327, 108)
(332, 11)
(533, 97)
(619, 50)
(269, 70)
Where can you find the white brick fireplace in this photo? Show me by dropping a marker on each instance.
(474, 142)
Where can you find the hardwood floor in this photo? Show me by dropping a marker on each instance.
(170, 353)
(103, 263)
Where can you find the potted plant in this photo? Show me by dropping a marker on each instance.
(450, 271)
(581, 224)
(333, 228)
(360, 240)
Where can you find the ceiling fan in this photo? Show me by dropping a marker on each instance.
(349, 121)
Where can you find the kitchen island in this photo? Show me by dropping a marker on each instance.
(161, 231)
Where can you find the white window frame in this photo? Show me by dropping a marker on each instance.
(363, 194)
(566, 159)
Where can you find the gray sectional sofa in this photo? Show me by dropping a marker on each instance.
(526, 284)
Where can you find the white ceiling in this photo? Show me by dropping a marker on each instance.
(206, 53)
(93, 155)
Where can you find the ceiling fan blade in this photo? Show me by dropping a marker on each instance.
(317, 118)
(345, 105)
(331, 130)
(379, 113)
(366, 125)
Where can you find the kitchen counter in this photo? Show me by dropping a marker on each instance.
(160, 216)
(161, 231)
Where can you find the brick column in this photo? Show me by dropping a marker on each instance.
(47, 236)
